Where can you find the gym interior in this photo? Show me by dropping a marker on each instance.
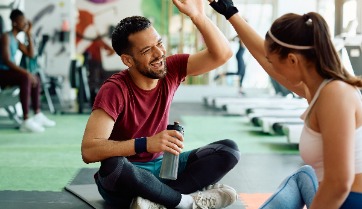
(74, 56)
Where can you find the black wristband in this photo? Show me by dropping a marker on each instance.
(224, 7)
(230, 12)
(140, 145)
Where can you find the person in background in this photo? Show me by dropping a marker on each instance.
(13, 75)
(126, 130)
(298, 52)
(240, 64)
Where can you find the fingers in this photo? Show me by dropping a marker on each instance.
(32, 79)
(177, 2)
(173, 148)
(167, 140)
(174, 143)
(176, 135)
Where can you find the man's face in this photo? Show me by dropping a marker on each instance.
(148, 53)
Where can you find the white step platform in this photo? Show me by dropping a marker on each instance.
(276, 113)
(267, 123)
(293, 132)
(232, 104)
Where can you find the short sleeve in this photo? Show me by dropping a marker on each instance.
(110, 98)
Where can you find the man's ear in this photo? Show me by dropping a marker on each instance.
(127, 60)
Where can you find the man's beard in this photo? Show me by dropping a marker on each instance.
(147, 72)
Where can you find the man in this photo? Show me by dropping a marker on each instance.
(13, 75)
(126, 129)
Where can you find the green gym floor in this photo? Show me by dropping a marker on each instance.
(35, 168)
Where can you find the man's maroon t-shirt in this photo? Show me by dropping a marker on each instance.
(140, 113)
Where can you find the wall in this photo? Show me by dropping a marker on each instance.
(54, 18)
(94, 24)
(359, 16)
(296, 6)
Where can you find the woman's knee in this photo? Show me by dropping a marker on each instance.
(305, 175)
(307, 169)
(24, 81)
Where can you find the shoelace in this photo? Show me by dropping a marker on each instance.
(155, 206)
(205, 202)
(212, 186)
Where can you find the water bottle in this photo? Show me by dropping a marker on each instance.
(169, 165)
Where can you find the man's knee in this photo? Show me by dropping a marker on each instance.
(230, 147)
(111, 164)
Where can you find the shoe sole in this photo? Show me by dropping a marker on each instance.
(25, 130)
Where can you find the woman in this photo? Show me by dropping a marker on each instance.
(298, 53)
(13, 75)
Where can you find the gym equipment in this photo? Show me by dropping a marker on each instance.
(35, 66)
(245, 106)
(268, 123)
(291, 130)
(79, 80)
(219, 102)
(9, 97)
(89, 194)
(353, 46)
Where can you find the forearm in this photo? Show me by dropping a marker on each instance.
(96, 149)
(30, 46)
(13, 66)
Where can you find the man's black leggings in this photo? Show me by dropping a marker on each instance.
(119, 181)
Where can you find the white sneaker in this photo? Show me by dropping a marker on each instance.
(43, 120)
(219, 196)
(141, 203)
(29, 125)
(213, 186)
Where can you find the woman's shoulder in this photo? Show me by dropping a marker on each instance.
(337, 89)
(338, 85)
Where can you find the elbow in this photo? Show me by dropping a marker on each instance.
(227, 55)
(7, 62)
(342, 185)
(342, 188)
(86, 156)
(223, 57)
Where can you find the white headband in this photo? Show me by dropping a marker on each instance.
(288, 45)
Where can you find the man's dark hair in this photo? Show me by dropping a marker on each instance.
(15, 14)
(124, 28)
